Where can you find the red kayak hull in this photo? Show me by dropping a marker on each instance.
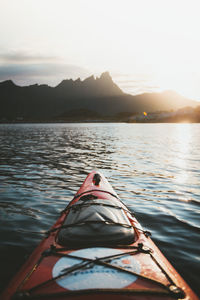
(89, 283)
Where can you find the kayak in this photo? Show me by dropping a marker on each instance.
(97, 250)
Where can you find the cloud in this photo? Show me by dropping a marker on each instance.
(26, 57)
(25, 68)
(136, 83)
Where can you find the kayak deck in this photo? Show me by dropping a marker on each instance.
(97, 249)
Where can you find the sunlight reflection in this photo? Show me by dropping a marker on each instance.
(182, 135)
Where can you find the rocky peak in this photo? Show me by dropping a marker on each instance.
(89, 79)
(65, 83)
(7, 83)
(106, 76)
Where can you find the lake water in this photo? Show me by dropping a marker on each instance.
(154, 168)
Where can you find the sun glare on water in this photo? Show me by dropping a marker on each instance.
(182, 135)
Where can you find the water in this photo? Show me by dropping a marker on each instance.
(155, 169)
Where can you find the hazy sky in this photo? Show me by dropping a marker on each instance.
(146, 45)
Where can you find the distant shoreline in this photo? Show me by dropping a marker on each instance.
(100, 121)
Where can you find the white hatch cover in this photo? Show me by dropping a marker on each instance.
(96, 276)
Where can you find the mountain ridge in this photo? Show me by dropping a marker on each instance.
(100, 95)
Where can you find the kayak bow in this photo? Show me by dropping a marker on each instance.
(97, 249)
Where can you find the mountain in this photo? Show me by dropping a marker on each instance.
(75, 99)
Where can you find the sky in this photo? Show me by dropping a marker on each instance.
(146, 45)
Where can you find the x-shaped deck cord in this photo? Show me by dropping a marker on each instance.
(171, 289)
(98, 261)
